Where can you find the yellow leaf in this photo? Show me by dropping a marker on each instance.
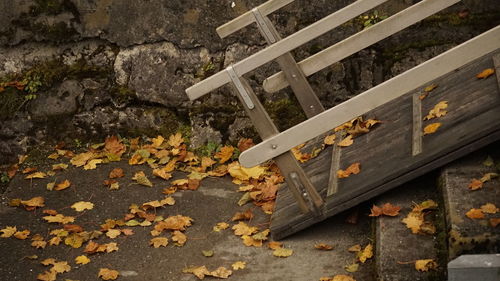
(37, 175)
(225, 153)
(355, 248)
(156, 142)
(59, 167)
(74, 240)
(82, 259)
(282, 252)
(198, 271)
(141, 179)
(47, 276)
(8, 231)
(108, 274)
(437, 111)
(273, 245)
(431, 128)
(179, 237)
(61, 267)
(39, 244)
(489, 208)
(34, 202)
(59, 218)
(82, 206)
(54, 241)
(366, 253)
(175, 140)
(113, 233)
(261, 236)
(488, 177)
(81, 159)
(425, 265)
(158, 242)
(485, 73)
(352, 267)
(242, 173)
(249, 241)
(329, 140)
(346, 142)
(414, 221)
(244, 229)
(238, 265)
(221, 272)
(220, 226)
(430, 88)
(162, 173)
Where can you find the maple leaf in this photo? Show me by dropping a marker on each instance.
(273, 245)
(387, 209)
(198, 271)
(175, 140)
(225, 153)
(59, 167)
(179, 237)
(174, 223)
(485, 73)
(282, 252)
(59, 218)
(63, 185)
(366, 253)
(47, 276)
(425, 265)
(113, 145)
(475, 184)
(221, 272)
(488, 176)
(220, 226)
(141, 179)
(82, 259)
(108, 274)
(489, 208)
(239, 265)
(249, 241)
(262, 236)
(329, 140)
(302, 157)
(113, 233)
(244, 144)
(242, 216)
(207, 162)
(74, 240)
(437, 111)
(8, 231)
(39, 244)
(352, 169)
(431, 128)
(414, 221)
(82, 158)
(82, 206)
(475, 214)
(37, 175)
(340, 277)
(157, 142)
(92, 164)
(158, 242)
(61, 267)
(323, 247)
(54, 241)
(116, 173)
(347, 141)
(244, 229)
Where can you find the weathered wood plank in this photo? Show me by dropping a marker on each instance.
(496, 64)
(372, 98)
(248, 18)
(284, 46)
(361, 40)
(385, 153)
(417, 125)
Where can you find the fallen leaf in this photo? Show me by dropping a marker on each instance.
(37, 175)
(352, 267)
(74, 240)
(494, 222)
(250, 242)
(59, 218)
(355, 248)
(225, 153)
(489, 208)
(198, 271)
(366, 253)
(282, 252)
(475, 184)
(82, 259)
(61, 267)
(414, 221)
(22, 235)
(47, 276)
(221, 272)
(59, 167)
(244, 229)
(116, 173)
(141, 179)
(92, 164)
(220, 226)
(179, 237)
(8, 231)
(162, 173)
(242, 173)
(158, 242)
(244, 144)
(177, 222)
(485, 73)
(387, 209)
(488, 176)
(207, 253)
(108, 274)
(437, 111)
(273, 245)
(113, 233)
(475, 214)
(39, 244)
(239, 265)
(323, 247)
(82, 206)
(63, 185)
(489, 162)
(431, 128)
(430, 88)
(352, 169)
(346, 141)
(242, 216)
(425, 265)
(175, 140)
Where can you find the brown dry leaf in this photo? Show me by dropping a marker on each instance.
(59, 167)
(485, 73)
(8, 231)
(198, 271)
(82, 259)
(47, 276)
(352, 169)
(273, 245)
(425, 265)
(221, 272)
(179, 237)
(225, 153)
(108, 274)
(114, 145)
(475, 214)
(37, 175)
(282, 252)
(244, 229)
(220, 226)
(475, 184)
(158, 242)
(175, 140)
(174, 223)
(162, 173)
(239, 265)
(387, 209)
(33, 203)
(92, 164)
(301, 157)
(366, 253)
(249, 241)
(494, 222)
(347, 141)
(489, 208)
(439, 110)
(323, 247)
(243, 216)
(73, 228)
(244, 144)
(82, 206)
(141, 179)
(431, 128)
(116, 173)
(63, 185)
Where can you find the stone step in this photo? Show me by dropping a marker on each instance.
(397, 248)
(466, 235)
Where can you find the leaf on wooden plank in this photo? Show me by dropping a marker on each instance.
(430, 88)
(329, 140)
(353, 169)
(485, 73)
(347, 141)
(431, 128)
(439, 110)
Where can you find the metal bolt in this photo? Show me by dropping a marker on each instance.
(274, 146)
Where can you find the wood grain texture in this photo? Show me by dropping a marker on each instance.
(385, 153)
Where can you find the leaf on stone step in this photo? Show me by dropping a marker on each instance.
(198, 271)
(323, 247)
(74, 240)
(387, 209)
(273, 245)
(414, 221)
(59, 218)
(485, 73)
(250, 242)
(431, 128)
(239, 265)
(489, 208)
(108, 274)
(244, 229)
(425, 265)
(92, 164)
(142, 179)
(82, 259)
(113, 233)
(282, 252)
(352, 267)
(243, 216)
(82, 206)
(220, 226)
(475, 214)
(366, 253)
(494, 222)
(488, 176)
(489, 162)
(262, 236)
(47, 276)
(158, 242)
(221, 272)
(475, 184)
(175, 140)
(244, 199)
(355, 248)
(59, 167)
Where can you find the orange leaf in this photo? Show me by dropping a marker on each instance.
(225, 153)
(485, 73)
(108, 274)
(242, 216)
(63, 185)
(494, 222)
(245, 144)
(323, 247)
(475, 214)
(352, 169)
(113, 145)
(387, 209)
(116, 173)
(475, 184)
(431, 128)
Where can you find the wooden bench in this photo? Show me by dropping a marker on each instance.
(312, 190)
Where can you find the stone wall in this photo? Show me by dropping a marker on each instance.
(81, 69)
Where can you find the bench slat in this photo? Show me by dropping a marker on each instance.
(361, 40)
(372, 98)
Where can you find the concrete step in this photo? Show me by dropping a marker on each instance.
(466, 235)
(397, 248)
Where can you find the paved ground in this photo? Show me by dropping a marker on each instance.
(215, 201)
